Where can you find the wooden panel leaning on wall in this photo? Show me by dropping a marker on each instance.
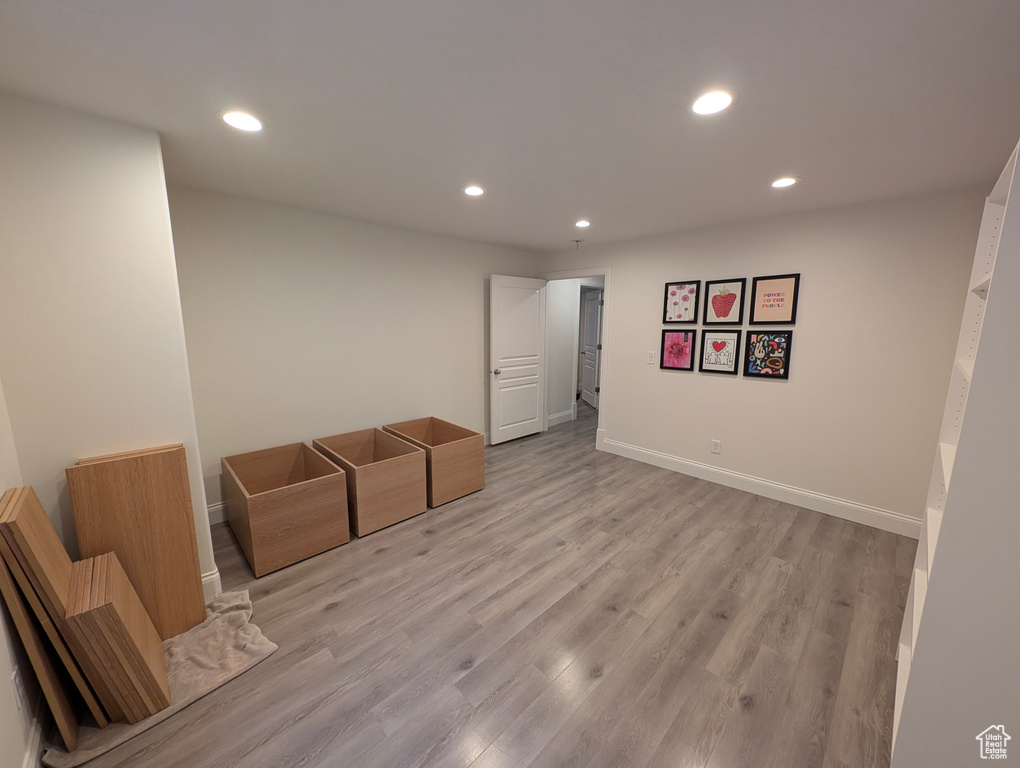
(42, 568)
(138, 505)
(38, 656)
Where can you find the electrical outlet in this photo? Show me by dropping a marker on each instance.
(717, 446)
(19, 689)
(651, 358)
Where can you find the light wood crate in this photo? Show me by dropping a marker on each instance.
(385, 477)
(454, 456)
(284, 504)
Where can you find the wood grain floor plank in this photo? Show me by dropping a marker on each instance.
(528, 734)
(798, 535)
(738, 650)
(750, 731)
(862, 721)
(695, 731)
(803, 728)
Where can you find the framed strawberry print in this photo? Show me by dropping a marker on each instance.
(774, 299)
(677, 352)
(720, 352)
(724, 301)
(767, 354)
(681, 302)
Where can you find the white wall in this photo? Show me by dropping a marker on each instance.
(562, 313)
(302, 325)
(92, 353)
(15, 726)
(853, 431)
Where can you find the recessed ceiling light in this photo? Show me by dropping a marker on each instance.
(711, 102)
(786, 181)
(583, 223)
(242, 121)
(474, 191)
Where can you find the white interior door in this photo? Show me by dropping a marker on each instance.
(516, 357)
(591, 344)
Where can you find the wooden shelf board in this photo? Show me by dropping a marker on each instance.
(907, 628)
(902, 676)
(932, 525)
(966, 366)
(920, 592)
(948, 453)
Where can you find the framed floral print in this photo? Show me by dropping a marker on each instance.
(677, 353)
(681, 302)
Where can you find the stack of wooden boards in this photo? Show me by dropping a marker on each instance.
(93, 630)
(104, 673)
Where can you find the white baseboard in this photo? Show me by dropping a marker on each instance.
(882, 519)
(33, 750)
(600, 442)
(560, 418)
(217, 513)
(211, 584)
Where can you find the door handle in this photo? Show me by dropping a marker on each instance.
(497, 371)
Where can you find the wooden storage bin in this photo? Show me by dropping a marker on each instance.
(385, 477)
(454, 456)
(284, 504)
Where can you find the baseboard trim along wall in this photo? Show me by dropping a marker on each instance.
(217, 513)
(33, 751)
(883, 519)
(559, 418)
(211, 584)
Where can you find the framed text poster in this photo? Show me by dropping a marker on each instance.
(774, 299)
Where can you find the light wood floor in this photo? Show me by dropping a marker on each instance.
(583, 610)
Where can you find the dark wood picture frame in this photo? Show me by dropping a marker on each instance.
(750, 363)
(680, 298)
(666, 360)
(759, 314)
(720, 309)
(735, 347)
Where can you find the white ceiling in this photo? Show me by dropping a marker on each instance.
(562, 109)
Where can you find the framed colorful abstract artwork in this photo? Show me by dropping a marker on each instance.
(681, 303)
(774, 299)
(767, 354)
(677, 352)
(724, 301)
(720, 352)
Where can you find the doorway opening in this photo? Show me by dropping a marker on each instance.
(577, 322)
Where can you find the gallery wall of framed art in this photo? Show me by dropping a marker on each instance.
(765, 353)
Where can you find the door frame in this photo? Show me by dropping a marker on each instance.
(584, 292)
(605, 388)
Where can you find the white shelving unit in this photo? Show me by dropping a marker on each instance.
(952, 421)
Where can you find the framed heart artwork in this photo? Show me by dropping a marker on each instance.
(724, 301)
(720, 352)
